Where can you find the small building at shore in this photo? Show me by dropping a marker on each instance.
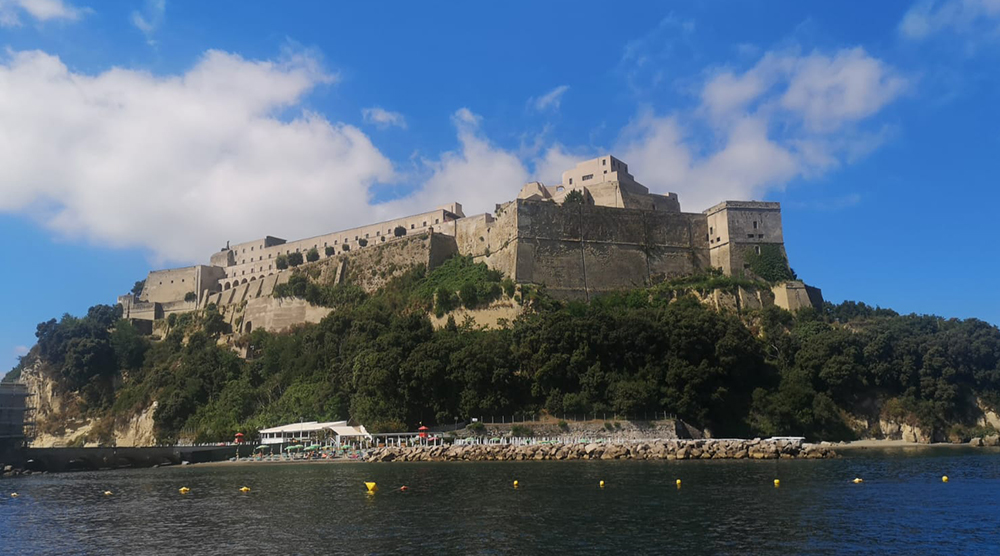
(336, 432)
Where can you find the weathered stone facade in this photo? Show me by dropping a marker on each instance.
(614, 234)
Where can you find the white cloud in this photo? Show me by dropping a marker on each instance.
(479, 174)
(179, 164)
(556, 160)
(930, 17)
(382, 118)
(150, 19)
(21, 351)
(41, 10)
(788, 116)
(551, 99)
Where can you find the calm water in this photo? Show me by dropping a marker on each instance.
(724, 507)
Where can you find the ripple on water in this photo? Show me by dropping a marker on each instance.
(724, 507)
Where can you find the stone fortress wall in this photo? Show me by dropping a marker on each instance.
(620, 236)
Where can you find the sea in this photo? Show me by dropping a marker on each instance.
(903, 506)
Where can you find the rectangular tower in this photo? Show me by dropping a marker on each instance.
(738, 229)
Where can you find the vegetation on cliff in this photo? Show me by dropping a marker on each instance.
(378, 360)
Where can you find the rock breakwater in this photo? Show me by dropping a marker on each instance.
(651, 450)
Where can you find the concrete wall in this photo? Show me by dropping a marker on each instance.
(257, 258)
(795, 295)
(278, 314)
(170, 285)
(578, 251)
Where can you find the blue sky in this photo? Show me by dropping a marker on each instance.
(144, 135)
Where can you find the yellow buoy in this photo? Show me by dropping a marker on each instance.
(245, 489)
(944, 479)
(602, 484)
(516, 484)
(858, 480)
(678, 483)
(108, 493)
(184, 490)
(372, 487)
(777, 483)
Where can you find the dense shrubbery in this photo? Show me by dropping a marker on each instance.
(770, 263)
(378, 360)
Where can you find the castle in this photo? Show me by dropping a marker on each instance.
(600, 230)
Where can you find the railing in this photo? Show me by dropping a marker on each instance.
(534, 417)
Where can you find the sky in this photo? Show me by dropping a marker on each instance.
(144, 135)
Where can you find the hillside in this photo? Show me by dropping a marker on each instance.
(845, 371)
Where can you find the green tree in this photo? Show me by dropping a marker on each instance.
(281, 262)
(574, 197)
(138, 287)
(312, 255)
(469, 294)
(329, 250)
(190, 296)
(294, 259)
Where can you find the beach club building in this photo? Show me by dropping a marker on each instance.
(335, 432)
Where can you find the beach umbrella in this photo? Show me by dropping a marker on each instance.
(263, 447)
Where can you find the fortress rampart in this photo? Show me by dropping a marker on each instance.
(598, 231)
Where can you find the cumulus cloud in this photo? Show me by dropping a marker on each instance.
(40, 10)
(478, 174)
(930, 17)
(150, 19)
(179, 164)
(550, 100)
(787, 116)
(383, 118)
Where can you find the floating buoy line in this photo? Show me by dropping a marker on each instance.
(372, 487)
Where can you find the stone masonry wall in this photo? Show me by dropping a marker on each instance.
(578, 251)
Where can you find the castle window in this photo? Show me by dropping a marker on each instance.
(437, 220)
(756, 249)
(251, 248)
(571, 181)
(413, 226)
(718, 239)
(749, 236)
(425, 223)
(605, 171)
(171, 281)
(378, 233)
(182, 280)
(760, 236)
(366, 236)
(604, 162)
(161, 283)
(755, 224)
(587, 177)
(711, 230)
